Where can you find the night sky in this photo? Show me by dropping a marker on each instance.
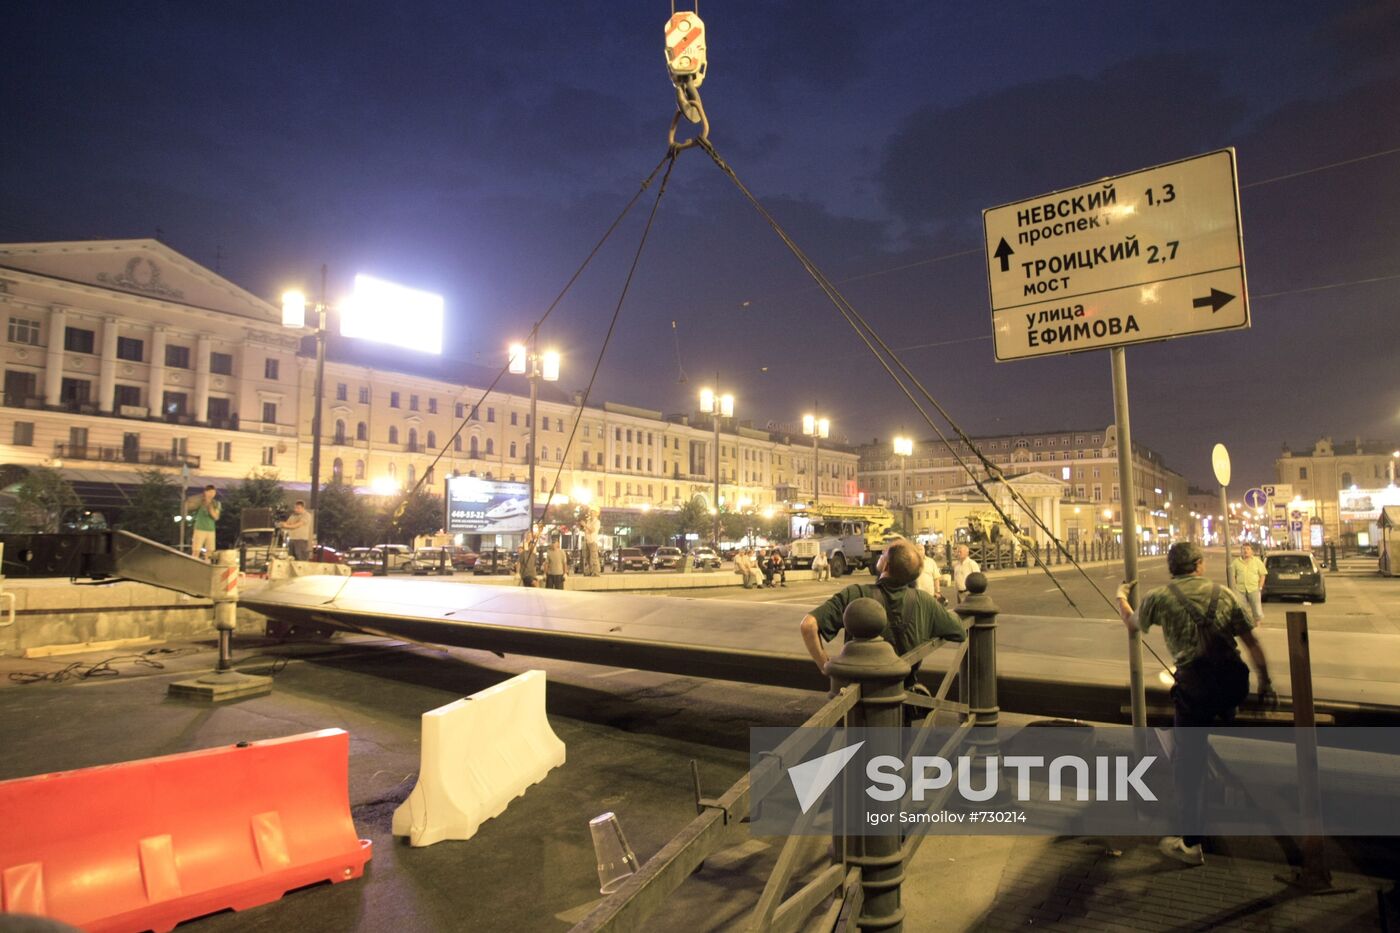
(480, 149)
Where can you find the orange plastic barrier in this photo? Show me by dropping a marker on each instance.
(146, 844)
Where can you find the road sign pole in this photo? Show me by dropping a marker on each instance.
(1225, 511)
(1127, 494)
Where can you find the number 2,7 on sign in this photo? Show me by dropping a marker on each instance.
(1164, 253)
(1166, 194)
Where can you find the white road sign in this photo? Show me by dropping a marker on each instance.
(1145, 256)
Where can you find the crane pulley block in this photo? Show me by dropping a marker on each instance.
(685, 59)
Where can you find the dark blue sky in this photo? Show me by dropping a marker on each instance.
(479, 149)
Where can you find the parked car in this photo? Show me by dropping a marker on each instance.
(365, 560)
(648, 550)
(463, 558)
(429, 560)
(495, 561)
(1294, 573)
(666, 558)
(704, 557)
(322, 554)
(631, 558)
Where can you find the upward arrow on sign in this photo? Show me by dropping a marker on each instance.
(1004, 251)
(1215, 300)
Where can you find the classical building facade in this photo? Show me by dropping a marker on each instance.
(1342, 485)
(123, 355)
(1081, 463)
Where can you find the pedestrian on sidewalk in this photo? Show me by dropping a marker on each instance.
(765, 567)
(207, 511)
(963, 567)
(777, 567)
(1249, 575)
(556, 566)
(820, 566)
(1200, 621)
(526, 567)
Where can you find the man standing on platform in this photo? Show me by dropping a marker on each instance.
(556, 566)
(207, 512)
(298, 529)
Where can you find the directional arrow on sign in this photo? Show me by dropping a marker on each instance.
(1004, 250)
(1215, 300)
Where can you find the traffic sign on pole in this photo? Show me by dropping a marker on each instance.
(1146, 256)
(1255, 498)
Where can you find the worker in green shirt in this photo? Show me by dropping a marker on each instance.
(1249, 575)
(207, 511)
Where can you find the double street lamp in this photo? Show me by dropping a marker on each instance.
(534, 365)
(903, 449)
(294, 316)
(816, 428)
(717, 406)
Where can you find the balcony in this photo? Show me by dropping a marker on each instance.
(16, 400)
(133, 455)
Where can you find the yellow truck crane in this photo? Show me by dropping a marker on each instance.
(991, 543)
(851, 536)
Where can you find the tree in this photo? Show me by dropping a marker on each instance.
(344, 519)
(40, 500)
(658, 527)
(418, 513)
(259, 490)
(154, 508)
(695, 518)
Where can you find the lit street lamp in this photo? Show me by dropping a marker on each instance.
(717, 406)
(903, 449)
(816, 428)
(294, 316)
(534, 366)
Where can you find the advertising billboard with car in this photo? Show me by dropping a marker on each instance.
(487, 506)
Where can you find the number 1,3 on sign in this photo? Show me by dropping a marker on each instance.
(1164, 194)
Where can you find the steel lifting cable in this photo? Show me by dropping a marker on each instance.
(880, 349)
(670, 163)
(669, 158)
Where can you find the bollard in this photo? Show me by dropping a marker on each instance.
(870, 662)
(979, 667)
(1332, 562)
(224, 683)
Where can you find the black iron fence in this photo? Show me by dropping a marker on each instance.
(135, 455)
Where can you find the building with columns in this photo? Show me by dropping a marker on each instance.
(1072, 474)
(122, 355)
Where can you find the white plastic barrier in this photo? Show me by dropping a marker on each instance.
(479, 754)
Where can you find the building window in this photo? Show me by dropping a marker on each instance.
(599, 459)
(270, 369)
(475, 414)
(218, 412)
(457, 443)
(364, 395)
(359, 469)
(473, 450)
(339, 436)
(77, 340)
(393, 400)
(223, 450)
(1346, 481)
(393, 435)
(490, 447)
(174, 403)
(491, 415)
(177, 357)
(413, 440)
(461, 410)
(432, 406)
(269, 413)
(337, 469)
(1302, 472)
(512, 449)
(514, 418)
(1098, 493)
(24, 434)
(361, 432)
(130, 348)
(269, 456)
(342, 392)
(617, 461)
(432, 440)
(413, 403)
(126, 397)
(23, 330)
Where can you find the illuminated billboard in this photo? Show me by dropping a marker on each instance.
(487, 506)
(1364, 505)
(387, 313)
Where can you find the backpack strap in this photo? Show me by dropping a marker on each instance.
(1205, 623)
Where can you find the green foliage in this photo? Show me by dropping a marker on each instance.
(40, 499)
(695, 518)
(259, 490)
(419, 513)
(346, 520)
(154, 508)
(658, 527)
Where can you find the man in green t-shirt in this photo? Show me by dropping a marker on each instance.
(207, 512)
(914, 616)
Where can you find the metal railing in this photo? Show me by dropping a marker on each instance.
(137, 455)
(861, 889)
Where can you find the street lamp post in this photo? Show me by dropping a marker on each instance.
(903, 449)
(717, 406)
(816, 428)
(294, 315)
(534, 366)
